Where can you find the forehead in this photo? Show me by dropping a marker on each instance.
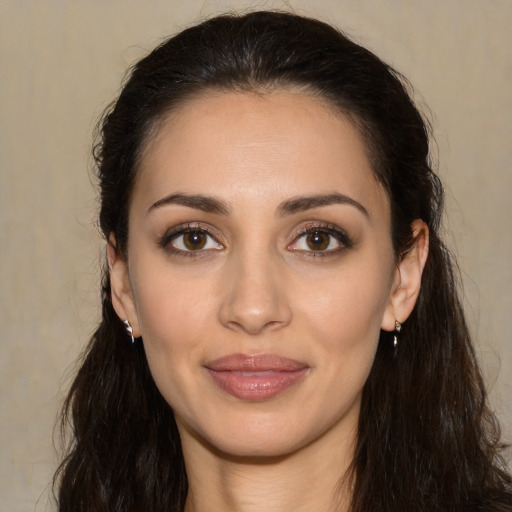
(257, 145)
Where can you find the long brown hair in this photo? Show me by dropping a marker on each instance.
(427, 440)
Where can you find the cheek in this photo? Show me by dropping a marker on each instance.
(345, 322)
(174, 315)
(349, 334)
(348, 307)
(173, 311)
(345, 315)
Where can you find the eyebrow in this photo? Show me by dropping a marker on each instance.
(300, 204)
(199, 202)
(289, 207)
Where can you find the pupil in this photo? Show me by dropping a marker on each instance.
(318, 240)
(194, 240)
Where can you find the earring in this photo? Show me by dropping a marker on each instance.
(129, 330)
(398, 328)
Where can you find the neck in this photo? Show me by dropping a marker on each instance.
(311, 478)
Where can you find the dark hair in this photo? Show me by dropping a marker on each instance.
(426, 440)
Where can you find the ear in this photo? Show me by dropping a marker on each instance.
(407, 280)
(121, 290)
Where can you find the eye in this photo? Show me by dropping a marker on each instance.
(321, 239)
(187, 239)
(318, 241)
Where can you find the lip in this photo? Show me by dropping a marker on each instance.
(256, 377)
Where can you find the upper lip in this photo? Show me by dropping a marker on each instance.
(255, 363)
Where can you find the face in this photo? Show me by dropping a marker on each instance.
(260, 270)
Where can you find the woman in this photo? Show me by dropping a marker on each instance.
(281, 328)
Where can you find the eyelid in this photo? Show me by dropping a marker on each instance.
(344, 240)
(187, 227)
(325, 227)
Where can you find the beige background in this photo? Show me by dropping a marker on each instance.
(61, 62)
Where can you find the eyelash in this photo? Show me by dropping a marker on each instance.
(176, 232)
(324, 228)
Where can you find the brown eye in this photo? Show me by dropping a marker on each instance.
(318, 240)
(321, 240)
(185, 239)
(194, 240)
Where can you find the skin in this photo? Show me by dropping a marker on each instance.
(259, 287)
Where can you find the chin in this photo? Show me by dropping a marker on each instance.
(261, 446)
(255, 436)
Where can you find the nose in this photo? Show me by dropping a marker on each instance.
(254, 298)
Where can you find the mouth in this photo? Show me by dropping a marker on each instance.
(256, 378)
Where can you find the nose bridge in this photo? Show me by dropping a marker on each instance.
(255, 298)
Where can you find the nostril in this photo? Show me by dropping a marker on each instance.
(270, 316)
(254, 298)
(273, 325)
(256, 328)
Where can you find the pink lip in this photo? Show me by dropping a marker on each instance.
(255, 378)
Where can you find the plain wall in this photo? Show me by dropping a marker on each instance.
(61, 63)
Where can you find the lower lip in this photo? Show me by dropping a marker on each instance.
(256, 386)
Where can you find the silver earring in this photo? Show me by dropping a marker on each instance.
(398, 328)
(129, 330)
